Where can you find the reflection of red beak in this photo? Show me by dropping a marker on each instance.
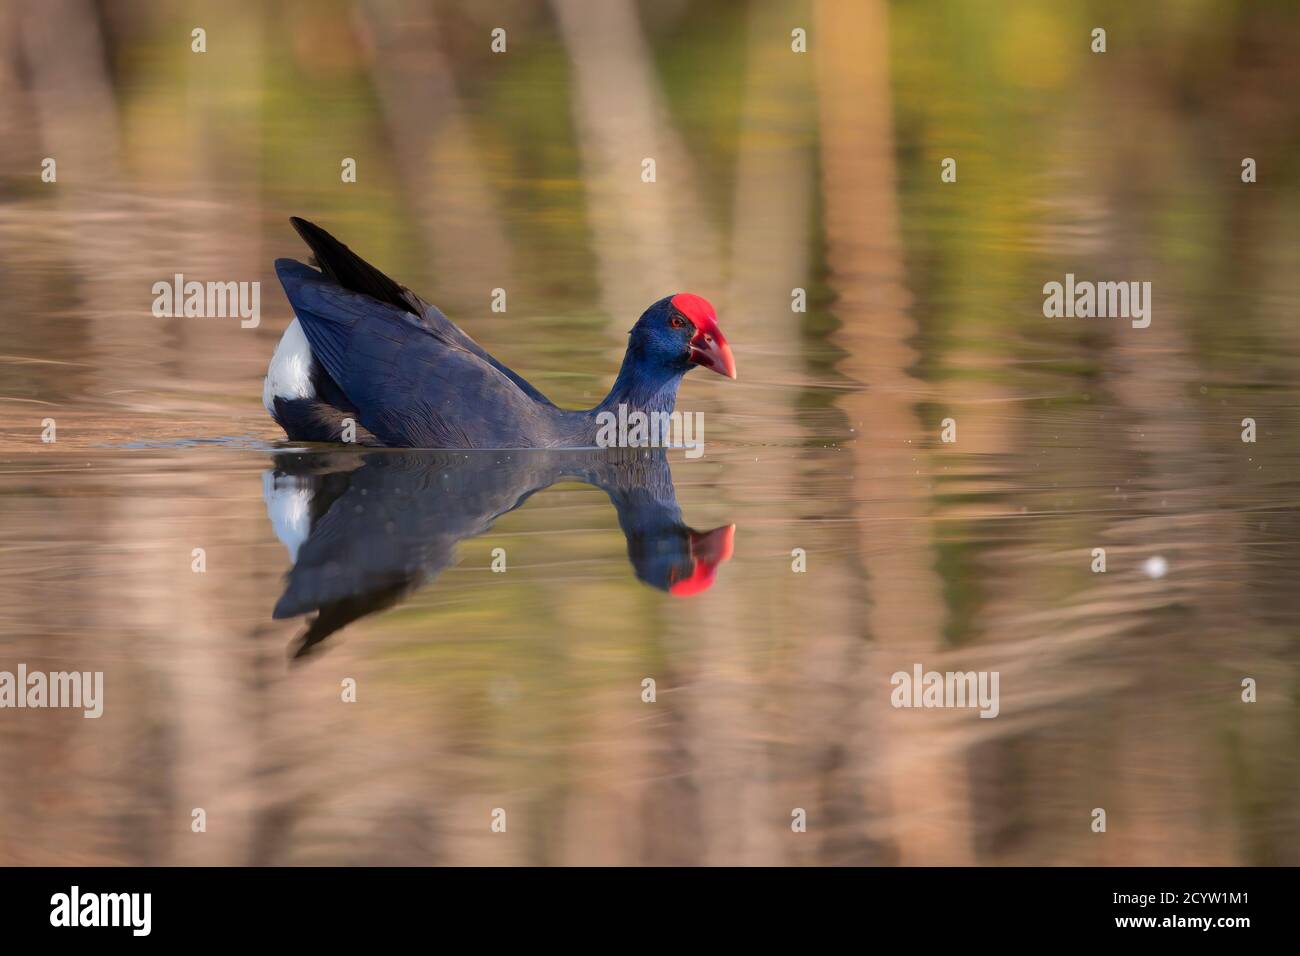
(709, 549)
(708, 345)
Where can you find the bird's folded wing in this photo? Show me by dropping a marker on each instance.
(350, 271)
(410, 384)
(449, 330)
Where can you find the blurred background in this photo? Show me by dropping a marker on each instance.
(775, 171)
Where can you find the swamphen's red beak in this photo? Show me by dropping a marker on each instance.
(709, 549)
(709, 346)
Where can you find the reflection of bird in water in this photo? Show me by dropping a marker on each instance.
(366, 530)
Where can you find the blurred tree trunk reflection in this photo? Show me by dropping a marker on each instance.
(915, 785)
(441, 166)
(650, 238)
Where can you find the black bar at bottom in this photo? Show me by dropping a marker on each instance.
(329, 905)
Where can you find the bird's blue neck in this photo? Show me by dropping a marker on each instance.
(643, 388)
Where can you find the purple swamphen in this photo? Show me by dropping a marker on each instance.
(366, 349)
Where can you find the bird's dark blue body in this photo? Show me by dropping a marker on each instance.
(408, 376)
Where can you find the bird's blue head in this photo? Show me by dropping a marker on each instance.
(677, 332)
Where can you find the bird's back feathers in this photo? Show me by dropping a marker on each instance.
(412, 384)
(349, 270)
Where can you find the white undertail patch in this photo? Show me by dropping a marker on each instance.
(289, 375)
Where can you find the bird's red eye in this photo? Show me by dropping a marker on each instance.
(677, 322)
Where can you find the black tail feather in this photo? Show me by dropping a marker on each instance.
(351, 271)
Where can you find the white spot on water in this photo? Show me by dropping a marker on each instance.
(1155, 566)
